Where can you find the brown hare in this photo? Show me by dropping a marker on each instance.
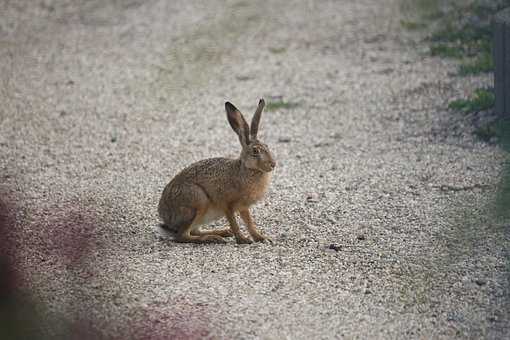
(212, 188)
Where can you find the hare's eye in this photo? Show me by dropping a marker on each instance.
(256, 152)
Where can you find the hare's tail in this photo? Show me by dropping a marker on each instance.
(166, 215)
(167, 228)
(164, 231)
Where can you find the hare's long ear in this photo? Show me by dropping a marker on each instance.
(256, 119)
(238, 123)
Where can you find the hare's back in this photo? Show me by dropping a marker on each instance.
(207, 170)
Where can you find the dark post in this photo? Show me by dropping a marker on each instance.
(502, 62)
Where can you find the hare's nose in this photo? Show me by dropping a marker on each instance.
(273, 164)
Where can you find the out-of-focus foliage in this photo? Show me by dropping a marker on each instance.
(460, 29)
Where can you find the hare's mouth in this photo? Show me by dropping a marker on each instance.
(268, 167)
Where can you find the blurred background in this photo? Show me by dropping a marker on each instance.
(388, 208)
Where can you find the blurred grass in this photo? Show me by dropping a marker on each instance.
(486, 132)
(483, 99)
(445, 51)
(280, 104)
(483, 63)
(426, 9)
(459, 29)
(277, 50)
(412, 25)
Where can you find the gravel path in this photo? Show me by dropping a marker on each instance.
(379, 206)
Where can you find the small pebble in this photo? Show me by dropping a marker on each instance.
(481, 282)
(335, 247)
(312, 197)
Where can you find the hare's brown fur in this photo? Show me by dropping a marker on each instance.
(217, 187)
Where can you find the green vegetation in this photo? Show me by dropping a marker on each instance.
(481, 64)
(465, 33)
(428, 9)
(499, 129)
(277, 50)
(486, 132)
(483, 99)
(458, 29)
(412, 25)
(280, 104)
(445, 51)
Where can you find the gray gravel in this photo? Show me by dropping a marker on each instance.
(379, 207)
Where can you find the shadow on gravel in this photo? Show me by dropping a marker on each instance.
(61, 236)
(17, 319)
(64, 242)
(482, 232)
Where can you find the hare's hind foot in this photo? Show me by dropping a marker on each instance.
(186, 230)
(219, 232)
(187, 238)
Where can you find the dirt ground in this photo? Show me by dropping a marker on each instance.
(379, 207)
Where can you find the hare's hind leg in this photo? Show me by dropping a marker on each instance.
(206, 215)
(185, 227)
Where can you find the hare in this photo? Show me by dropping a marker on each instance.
(212, 188)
